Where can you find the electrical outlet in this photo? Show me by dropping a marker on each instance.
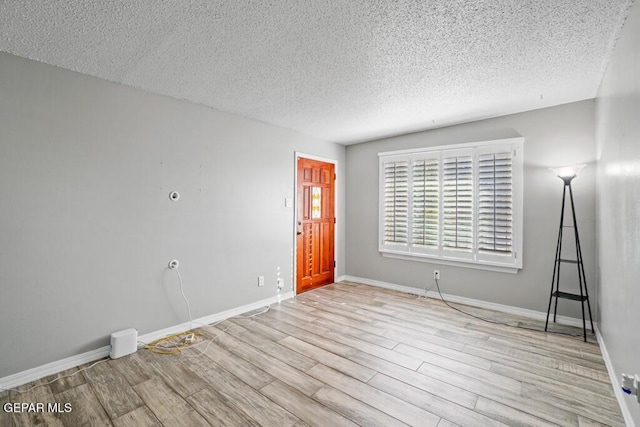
(436, 274)
(280, 283)
(631, 385)
(260, 280)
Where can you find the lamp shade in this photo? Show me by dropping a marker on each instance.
(568, 172)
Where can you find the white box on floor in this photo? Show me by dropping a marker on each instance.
(123, 343)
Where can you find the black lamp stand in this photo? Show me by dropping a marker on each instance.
(555, 281)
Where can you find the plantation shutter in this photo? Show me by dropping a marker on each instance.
(396, 202)
(461, 204)
(425, 215)
(495, 203)
(457, 204)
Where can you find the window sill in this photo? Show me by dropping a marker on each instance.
(455, 263)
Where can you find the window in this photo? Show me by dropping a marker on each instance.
(316, 202)
(458, 204)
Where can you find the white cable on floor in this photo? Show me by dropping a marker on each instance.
(185, 298)
(180, 348)
(56, 379)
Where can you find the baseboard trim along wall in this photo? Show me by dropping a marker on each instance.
(564, 320)
(620, 396)
(38, 372)
(24, 377)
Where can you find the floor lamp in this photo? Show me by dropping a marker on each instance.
(567, 174)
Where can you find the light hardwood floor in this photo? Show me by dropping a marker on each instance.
(345, 355)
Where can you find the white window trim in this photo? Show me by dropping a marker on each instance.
(401, 252)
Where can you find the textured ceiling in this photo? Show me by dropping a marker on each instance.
(341, 70)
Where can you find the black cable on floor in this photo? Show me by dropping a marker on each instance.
(495, 321)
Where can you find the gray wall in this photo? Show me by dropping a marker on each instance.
(86, 225)
(553, 137)
(618, 196)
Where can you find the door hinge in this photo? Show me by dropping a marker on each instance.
(334, 220)
(334, 264)
(335, 176)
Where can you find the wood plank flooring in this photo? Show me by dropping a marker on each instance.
(345, 355)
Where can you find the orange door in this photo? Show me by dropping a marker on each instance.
(315, 224)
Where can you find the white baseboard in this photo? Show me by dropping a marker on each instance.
(213, 318)
(539, 315)
(571, 321)
(620, 396)
(24, 377)
(340, 279)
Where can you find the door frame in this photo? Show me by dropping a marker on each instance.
(338, 225)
